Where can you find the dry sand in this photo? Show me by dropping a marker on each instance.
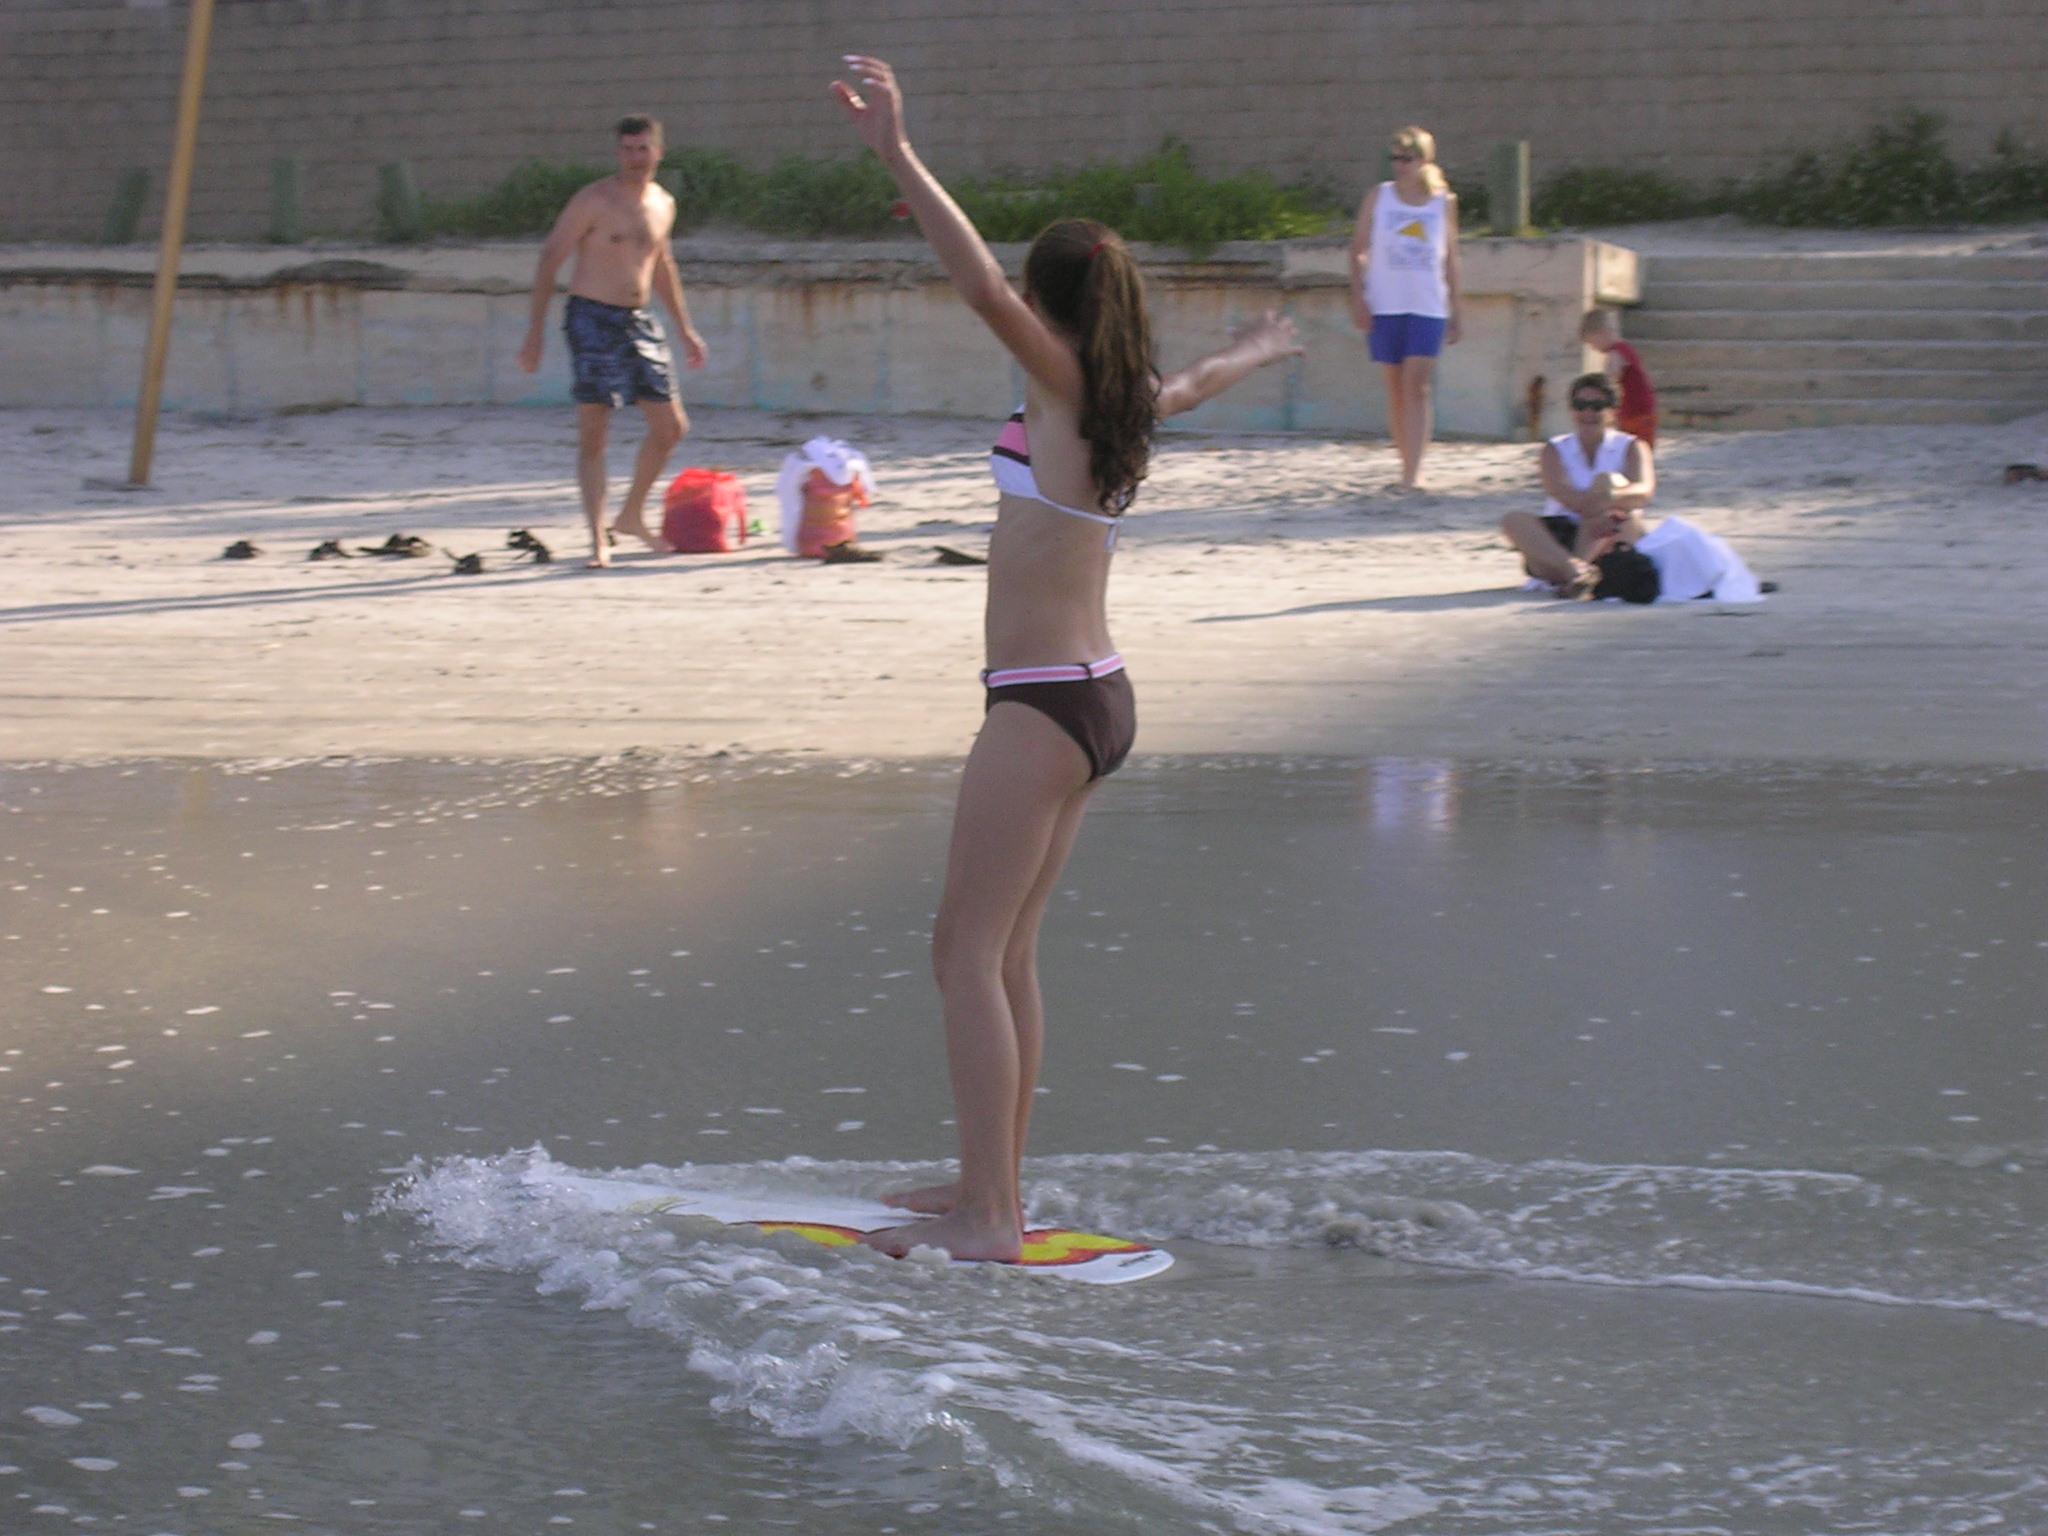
(1270, 595)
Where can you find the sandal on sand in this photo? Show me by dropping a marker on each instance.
(466, 565)
(331, 550)
(948, 555)
(409, 546)
(849, 553)
(527, 543)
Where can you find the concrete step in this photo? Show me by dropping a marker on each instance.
(1821, 340)
(1962, 325)
(2023, 391)
(1764, 413)
(1869, 294)
(1688, 357)
(1792, 268)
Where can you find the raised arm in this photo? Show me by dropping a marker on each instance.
(876, 112)
(1266, 340)
(574, 223)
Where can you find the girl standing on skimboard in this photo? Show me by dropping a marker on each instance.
(1059, 710)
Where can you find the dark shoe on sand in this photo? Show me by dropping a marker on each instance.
(467, 565)
(2015, 473)
(331, 550)
(408, 546)
(849, 553)
(241, 549)
(527, 543)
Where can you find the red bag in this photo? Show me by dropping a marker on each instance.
(704, 513)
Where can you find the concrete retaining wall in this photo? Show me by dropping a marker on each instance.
(791, 327)
(468, 88)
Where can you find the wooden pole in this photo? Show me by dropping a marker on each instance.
(177, 193)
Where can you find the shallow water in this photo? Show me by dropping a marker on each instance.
(1544, 1151)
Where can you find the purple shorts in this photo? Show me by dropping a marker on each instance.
(1398, 337)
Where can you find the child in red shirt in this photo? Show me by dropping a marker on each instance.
(1637, 413)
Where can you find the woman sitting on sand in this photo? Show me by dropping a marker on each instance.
(1598, 481)
(1059, 711)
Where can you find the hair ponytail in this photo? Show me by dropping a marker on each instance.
(1421, 143)
(1088, 284)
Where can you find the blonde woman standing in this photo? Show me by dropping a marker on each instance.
(1405, 288)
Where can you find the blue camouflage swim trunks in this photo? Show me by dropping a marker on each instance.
(618, 356)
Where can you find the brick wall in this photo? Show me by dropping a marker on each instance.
(467, 88)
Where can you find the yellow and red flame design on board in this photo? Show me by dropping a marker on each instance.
(1047, 1248)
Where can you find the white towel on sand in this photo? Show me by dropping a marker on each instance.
(1693, 563)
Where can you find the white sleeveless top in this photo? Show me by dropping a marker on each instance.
(1404, 273)
(1611, 459)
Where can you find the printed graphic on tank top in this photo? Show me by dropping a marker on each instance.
(1404, 273)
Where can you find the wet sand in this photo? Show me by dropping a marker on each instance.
(1270, 595)
(1542, 1149)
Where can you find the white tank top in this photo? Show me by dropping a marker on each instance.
(1404, 273)
(1611, 459)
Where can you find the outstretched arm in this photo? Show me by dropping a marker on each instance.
(876, 112)
(1266, 340)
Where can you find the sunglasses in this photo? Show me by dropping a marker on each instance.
(1591, 404)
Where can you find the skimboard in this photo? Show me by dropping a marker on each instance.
(839, 1223)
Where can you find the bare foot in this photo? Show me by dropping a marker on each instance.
(635, 527)
(959, 1234)
(933, 1200)
(601, 561)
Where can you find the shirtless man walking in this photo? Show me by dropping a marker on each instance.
(618, 231)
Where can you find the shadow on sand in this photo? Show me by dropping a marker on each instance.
(1421, 602)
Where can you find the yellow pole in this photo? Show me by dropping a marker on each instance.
(186, 142)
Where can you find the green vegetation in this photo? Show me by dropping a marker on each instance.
(526, 202)
(1900, 173)
(1161, 197)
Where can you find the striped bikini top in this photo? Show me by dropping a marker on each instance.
(1009, 463)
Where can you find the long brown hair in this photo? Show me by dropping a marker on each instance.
(1087, 283)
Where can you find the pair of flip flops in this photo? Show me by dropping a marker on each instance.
(527, 543)
(403, 546)
(410, 546)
